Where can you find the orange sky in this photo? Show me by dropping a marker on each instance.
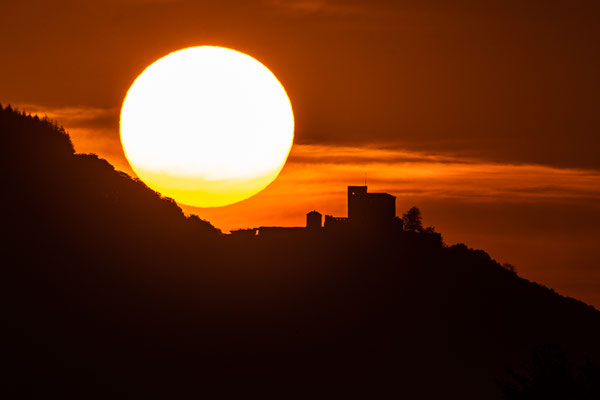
(483, 114)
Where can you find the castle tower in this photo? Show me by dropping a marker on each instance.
(370, 209)
(357, 205)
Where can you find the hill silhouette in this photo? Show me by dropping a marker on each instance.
(113, 291)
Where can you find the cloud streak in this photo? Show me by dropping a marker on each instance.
(410, 173)
(314, 7)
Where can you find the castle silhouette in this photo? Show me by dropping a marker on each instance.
(366, 212)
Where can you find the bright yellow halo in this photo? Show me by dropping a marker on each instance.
(207, 126)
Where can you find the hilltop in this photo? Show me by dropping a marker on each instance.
(112, 290)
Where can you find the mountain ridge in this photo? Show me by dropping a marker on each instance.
(109, 279)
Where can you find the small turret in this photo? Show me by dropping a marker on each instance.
(314, 220)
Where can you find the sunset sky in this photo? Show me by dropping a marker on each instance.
(484, 114)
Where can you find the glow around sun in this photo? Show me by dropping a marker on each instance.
(207, 126)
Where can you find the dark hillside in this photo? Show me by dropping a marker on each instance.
(112, 291)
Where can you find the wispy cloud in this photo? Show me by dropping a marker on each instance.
(74, 116)
(409, 173)
(314, 7)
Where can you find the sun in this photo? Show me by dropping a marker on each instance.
(207, 126)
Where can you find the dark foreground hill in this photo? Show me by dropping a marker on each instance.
(112, 291)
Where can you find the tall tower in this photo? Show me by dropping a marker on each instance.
(370, 209)
(357, 205)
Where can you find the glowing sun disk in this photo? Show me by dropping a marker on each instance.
(207, 126)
